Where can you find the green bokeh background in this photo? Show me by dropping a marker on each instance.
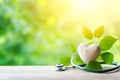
(31, 32)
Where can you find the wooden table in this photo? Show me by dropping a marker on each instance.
(49, 73)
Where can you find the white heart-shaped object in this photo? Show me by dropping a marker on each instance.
(88, 52)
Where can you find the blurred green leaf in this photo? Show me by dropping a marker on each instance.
(90, 42)
(107, 57)
(94, 65)
(99, 31)
(73, 48)
(107, 42)
(87, 32)
(78, 59)
(65, 61)
(99, 58)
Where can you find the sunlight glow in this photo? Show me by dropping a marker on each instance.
(81, 12)
(83, 3)
(91, 13)
(1, 1)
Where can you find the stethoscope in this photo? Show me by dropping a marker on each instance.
(61, 67)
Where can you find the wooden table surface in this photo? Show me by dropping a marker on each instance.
(49, 73)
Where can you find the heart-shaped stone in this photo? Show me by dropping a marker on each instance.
(88, 52)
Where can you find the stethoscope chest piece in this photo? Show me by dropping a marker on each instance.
(60, 67)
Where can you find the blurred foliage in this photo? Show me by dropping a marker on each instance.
(31, 32)
(28, 35)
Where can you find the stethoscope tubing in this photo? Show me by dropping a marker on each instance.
(82, 66)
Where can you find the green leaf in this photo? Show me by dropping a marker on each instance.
(65, 61)
(107, 42)
(107, 57)
(73, 48)
(94, 65)
(99, 58)
(87, 32)
(99, 31)
(78, 59)
(90, 42)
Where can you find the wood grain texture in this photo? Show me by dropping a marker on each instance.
(49, 73)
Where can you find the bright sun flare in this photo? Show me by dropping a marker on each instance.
(84, 12)
(86, 4)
